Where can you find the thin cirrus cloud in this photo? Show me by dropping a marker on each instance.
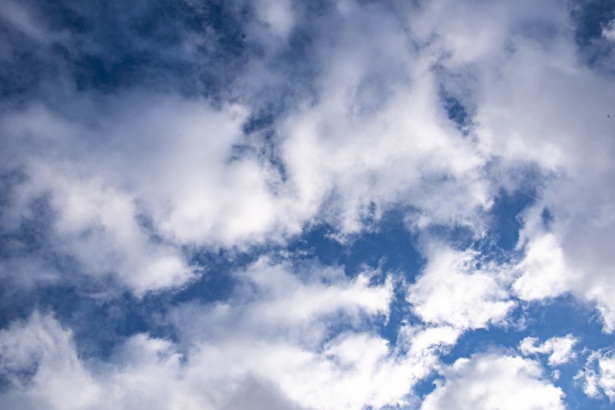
(216, 183)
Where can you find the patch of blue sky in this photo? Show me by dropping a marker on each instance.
(506, 217)
(590, 18)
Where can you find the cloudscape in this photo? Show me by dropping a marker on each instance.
(277, 204)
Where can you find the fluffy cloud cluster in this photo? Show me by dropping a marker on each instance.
(494, 381)
(125, 194)
(559, 349)
(237, 127)
(134, 181)
(453, 290)
(275, 343)
(537, 108)
(598, 375)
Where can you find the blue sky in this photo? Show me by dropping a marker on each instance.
(275, 204)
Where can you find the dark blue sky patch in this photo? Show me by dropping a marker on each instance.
(482, 340)
(458, 237)
(9, 181)
(400, 313)
(548, 320)
(506, 217)
(426, 385)
(547, 218)
(261, 138)
(98, 323)
(389, 246)
(390, 249)
(22, 69)
(216, 282)
(590, 17)
(555, 318)
(317, 8)
(35, 229)
(117, 45)
(61, 14)
(261, 120)
(30, 235)
(457, 89)
(456, 112)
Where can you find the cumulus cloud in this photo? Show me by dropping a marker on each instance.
(598, 375)
(42, 367)
(536, 107)
(609, 31)
(494, 381)
(283, 341)
(289, 333)
(134, 180)
(137, 138)
(474, 32)
(453, 290)
(122, 200)
(378, 136)
(559, 349)
(566, 253)
(544, 272)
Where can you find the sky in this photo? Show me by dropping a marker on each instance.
(307, 205)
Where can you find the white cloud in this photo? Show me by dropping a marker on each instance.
(128, 193)
(540, 107)
(598, 375)
(287, 334)
(379, 138)
(537, 110)
(543, 271)
(282, 340)
(473, 32)
(609, 31)
(494, 381)
(570, 255)
(39, 360)
(135, 183)
(135, 180)
(278, 15)
(453, 290)
(282, 299)
(559, 349)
